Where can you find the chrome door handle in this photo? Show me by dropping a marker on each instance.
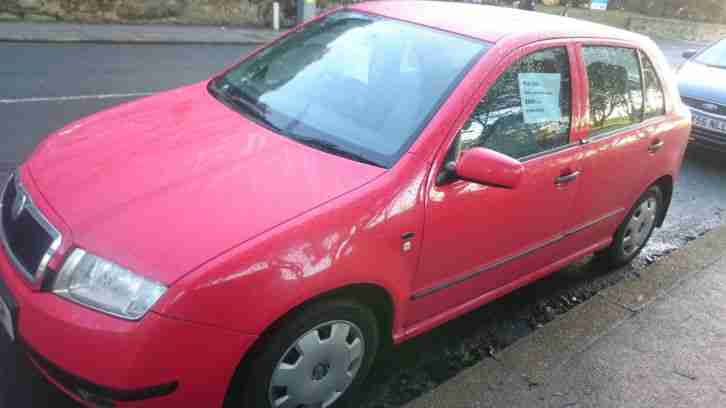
(656, 145)
(567, 178)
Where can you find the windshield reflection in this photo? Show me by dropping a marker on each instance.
(714, 56)
(350, 84)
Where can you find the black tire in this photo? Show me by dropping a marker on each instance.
(251, 387)
(617, 254)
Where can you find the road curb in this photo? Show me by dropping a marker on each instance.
(127, 42)
(58, 33)
(506, 380)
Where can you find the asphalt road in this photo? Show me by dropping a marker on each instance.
(43, 87)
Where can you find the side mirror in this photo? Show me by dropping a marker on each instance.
(689, 54)
(488, 167)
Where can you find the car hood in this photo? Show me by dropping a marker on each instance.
(165, 184)
(702, 82)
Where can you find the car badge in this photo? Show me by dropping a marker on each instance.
(710, 107)
(21, 200)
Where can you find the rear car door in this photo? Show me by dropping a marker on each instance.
(617, 144)
(479, 238)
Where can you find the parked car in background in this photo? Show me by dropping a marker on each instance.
(702, 83)
(255, 239)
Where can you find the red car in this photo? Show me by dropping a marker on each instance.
(255, 239)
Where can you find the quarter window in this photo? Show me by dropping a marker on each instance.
(654, 97)
(616, 93)
(527, 111)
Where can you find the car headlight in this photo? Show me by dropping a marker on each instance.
(100, 284)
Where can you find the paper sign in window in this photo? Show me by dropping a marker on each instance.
(540, 94)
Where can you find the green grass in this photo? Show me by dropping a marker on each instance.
(8, 17)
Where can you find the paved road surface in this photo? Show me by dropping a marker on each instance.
(40, 86)
(43, 87)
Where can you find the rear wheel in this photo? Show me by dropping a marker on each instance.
(637, 228)
(318, 358)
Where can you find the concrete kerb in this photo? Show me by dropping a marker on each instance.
(132, 34)
(530, 362)
(661, 277)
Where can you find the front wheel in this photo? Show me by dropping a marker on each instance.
(637, 228)
(318, 358)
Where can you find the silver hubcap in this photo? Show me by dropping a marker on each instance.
(319, 367)
(640, 226)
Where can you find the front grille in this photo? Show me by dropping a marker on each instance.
(709, 135)
(698, 104)
(26, 235)
(709, 139)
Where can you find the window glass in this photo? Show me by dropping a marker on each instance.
(342, 82)
(714, 56)
(616, 93)
(654, 98)
(527, 111)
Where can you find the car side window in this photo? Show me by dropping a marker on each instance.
(616, 92)
(527, 111)
(654, 96)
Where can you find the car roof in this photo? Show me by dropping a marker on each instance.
(491, 23)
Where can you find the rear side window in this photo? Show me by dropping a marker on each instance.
(654, 97)
(527, 111)
(616, 93)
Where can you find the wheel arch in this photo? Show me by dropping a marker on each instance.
(666, 184)
(373, 296)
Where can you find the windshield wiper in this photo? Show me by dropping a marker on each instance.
(233, 96)
(333, 148)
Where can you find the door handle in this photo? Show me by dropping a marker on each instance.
(656, 145)
(567, 178)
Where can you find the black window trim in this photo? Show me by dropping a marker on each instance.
(553, 150)
(614, 132)
(634, 126)
(439, 104)
(557, 149)
(642, 83)
(436, 108)
(642, 54)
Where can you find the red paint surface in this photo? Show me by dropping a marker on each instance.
(245, 225)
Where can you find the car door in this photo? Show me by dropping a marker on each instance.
(664, 138)
(479, 238)
(616, 145)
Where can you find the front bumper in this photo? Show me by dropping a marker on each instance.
(708, 138)
(100, 360)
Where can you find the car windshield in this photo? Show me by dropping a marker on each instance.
(352, 84)
(714, 56)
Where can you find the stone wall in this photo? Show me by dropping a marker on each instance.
(712, 11)
(676, 29)
(259, 13)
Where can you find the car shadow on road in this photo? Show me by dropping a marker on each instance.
(410, 369)
(419, 365)
(22, 386)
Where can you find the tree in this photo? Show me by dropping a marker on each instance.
(694, 10)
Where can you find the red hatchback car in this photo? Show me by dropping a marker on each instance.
(253, 240)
